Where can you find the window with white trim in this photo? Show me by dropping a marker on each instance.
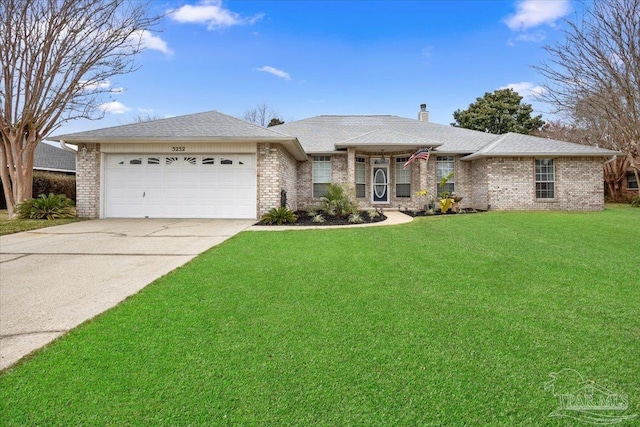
(321, 175)
(545, 179)
(361, 178)
(444, 166)
(403, 178)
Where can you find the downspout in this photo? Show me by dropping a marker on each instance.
(613, 159)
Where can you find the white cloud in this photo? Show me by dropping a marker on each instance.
(276, 72)
(148, 40)
(525, 89)
(532, 13)
(212, 13)
(101, 86)
(145, 110)
(114, 107)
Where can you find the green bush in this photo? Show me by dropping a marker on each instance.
(49, 182)
(279, 216)
(636, 202)
(49, 207)
(337, 202)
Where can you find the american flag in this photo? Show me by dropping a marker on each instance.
(422, 153)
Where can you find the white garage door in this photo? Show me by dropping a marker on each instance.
(180, 186)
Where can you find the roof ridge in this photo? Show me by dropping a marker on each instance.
(490, 145)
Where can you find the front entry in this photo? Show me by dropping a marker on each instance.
(380, 180)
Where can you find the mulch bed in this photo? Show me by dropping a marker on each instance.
(438, 212)
(304, 219)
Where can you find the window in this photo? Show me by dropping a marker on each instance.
(226, 161)
(321, 175)
(545, 179)
(208, 161)
(403, 178)
(632, 183)
(153, 160)
(136, 161)
(361, 178)
(444, 166)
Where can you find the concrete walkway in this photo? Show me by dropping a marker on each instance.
(53, 279)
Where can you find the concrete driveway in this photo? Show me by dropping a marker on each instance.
(53, 279)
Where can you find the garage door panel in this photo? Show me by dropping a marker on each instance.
(185, 186)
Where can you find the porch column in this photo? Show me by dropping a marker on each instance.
(423, 176)
(351, 170)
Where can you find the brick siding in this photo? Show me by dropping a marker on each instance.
(277, 170)
(511, 184)
(88, 181)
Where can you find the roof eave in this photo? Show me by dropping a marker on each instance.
(540, 154)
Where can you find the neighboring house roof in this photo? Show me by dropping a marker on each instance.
(515, 144)
(54, 159)
(210, 126)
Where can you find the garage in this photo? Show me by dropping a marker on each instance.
(179, 185)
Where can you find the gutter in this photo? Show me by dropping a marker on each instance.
(65, 147)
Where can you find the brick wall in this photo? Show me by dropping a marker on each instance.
(578, 184)
(288, 173)
(478, 193)
(88, 181)
(277, 170)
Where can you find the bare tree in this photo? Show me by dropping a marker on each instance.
(57, 58)
(262, 115)
(593, 78)
(140, 118)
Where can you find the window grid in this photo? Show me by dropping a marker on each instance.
(632, 183)
(403, 178)
(321, 175)
(545, 179)
(361, 178)
(444, 166)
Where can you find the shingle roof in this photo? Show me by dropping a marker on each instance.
(515, 144)
(48, 157)
(326, 133)
(207, 126)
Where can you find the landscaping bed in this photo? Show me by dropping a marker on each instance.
(438, 212)
(305, 219)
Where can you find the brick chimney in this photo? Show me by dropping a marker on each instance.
(423, 115)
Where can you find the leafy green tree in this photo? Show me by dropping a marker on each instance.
(499, 112)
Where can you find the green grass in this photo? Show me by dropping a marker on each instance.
(8, 226)
(452, 321)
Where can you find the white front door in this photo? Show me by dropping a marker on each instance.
(380, 180)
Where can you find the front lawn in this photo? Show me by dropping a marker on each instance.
(8, 226)
(452, 320)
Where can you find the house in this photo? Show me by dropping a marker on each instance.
(216, 166)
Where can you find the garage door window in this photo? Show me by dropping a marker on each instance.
(208, 161)
(153, 160)
(136, 161)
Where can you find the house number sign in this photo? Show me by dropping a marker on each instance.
(178, 149)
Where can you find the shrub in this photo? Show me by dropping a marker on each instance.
(48, 207)
(337, 202)
(279, 216)
(636, 202)
(373, 214)
(355, 218)
(318, 219)
(49, 182)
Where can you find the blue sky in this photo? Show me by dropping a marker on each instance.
(305, 58)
